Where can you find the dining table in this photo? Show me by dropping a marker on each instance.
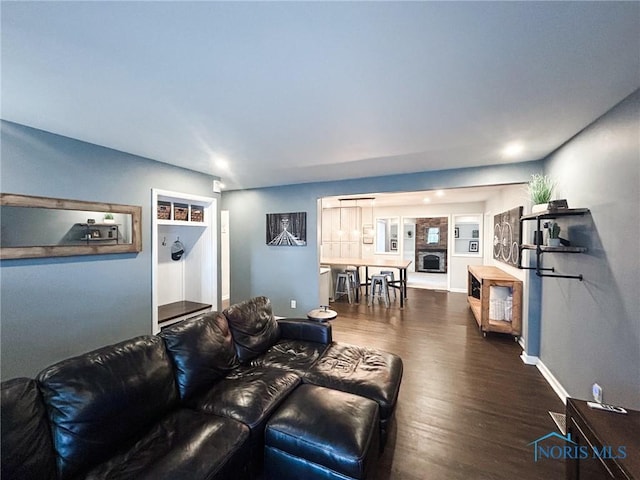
(399, 264)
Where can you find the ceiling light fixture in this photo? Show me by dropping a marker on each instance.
(222, 164)
(440, 193)
(513, 149)
(426, 200)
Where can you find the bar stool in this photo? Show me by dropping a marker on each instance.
(354, 279)
(379, 289)
(343, 286)
(391, 281)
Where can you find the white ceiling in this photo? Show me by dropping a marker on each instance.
(291, 92)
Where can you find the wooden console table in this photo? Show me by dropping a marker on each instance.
(603, 430)
(481, 279)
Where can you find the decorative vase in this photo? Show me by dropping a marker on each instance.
(539, 207)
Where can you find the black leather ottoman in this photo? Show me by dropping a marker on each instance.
(320, 433)
(363, 371)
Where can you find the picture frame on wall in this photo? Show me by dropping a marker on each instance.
(473, 245)
(456, 232)
(287, 229)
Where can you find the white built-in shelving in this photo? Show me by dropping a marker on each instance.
(186, 287)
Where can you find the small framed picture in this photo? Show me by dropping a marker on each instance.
(475, 233)
(473, 245)
(394, 245)
(456, 232)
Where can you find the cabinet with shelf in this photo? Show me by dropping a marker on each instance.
(539, 249)
(495, 298)
(467, 234)
(183, 286)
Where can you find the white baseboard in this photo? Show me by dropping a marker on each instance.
(458, 290)
(529, 359)
(553, 381)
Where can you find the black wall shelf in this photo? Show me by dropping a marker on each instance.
(540, 249)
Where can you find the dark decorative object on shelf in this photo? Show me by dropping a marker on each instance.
(473, 245)
(557, 204)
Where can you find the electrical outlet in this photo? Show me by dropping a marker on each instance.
(293, 304)
(596, 390)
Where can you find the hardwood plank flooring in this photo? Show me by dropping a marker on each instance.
(468, 406)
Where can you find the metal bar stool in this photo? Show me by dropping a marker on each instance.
(379, 289)
(391, 281)
(354, 280)
(343, 287)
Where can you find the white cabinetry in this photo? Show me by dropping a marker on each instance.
(186, 286)
(341, 232)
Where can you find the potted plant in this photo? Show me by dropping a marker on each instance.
(108, 218)
(554, 235)
(540, 189)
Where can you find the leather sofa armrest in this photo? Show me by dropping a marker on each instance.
(305, 329)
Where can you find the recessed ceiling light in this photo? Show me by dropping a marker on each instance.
(440, 193)
(426, 199)
(222, 164)
(513, 149)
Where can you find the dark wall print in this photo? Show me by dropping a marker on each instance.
(287, 229)
(507, 235)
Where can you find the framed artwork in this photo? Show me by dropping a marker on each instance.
(507, 236)
(473, 245)
(475, 233)
(394, 245)
(456, 232)
(287, 229)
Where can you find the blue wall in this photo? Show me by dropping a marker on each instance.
(286, 273)
(591, 329)
(53, 308)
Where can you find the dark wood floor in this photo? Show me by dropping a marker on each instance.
(468, 406)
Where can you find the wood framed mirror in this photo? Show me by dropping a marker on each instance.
(37, 227)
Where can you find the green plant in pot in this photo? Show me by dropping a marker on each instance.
(109, 218)
(554, 235)
(540, 189)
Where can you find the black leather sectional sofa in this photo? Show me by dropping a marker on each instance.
(193, 401)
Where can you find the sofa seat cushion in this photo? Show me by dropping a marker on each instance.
(248, 395)
(253, 326)
(184, 445)
(320, 433)
(104, 400)
(293, 355)
(202, 351)
(26, 448)
(363, 371)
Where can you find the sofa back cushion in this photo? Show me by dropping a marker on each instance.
(103, 400)
(26, 448)
(202, 351)
(253, 327)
